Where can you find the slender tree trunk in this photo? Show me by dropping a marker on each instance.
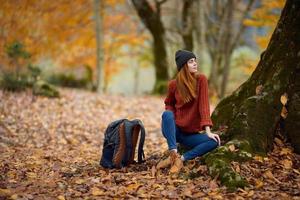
(227, 44)
(136, 78)
(99, 41)
(213, 84)
(200, 30)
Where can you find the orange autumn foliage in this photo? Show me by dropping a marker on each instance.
(64, 31)
(265, 16)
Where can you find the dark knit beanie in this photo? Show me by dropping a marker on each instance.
(182, 56)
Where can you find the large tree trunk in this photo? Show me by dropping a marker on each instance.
(152, 21)
(292, 122)
(253, 111)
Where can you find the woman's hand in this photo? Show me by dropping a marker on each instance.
(212, 135)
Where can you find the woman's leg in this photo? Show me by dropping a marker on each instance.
(199, 143)
(170, 132)
(168, 127)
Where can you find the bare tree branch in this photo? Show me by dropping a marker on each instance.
(147, 14)
(242, 27)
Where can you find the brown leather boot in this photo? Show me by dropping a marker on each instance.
(176, 163)
(174, 160)
(164, 163)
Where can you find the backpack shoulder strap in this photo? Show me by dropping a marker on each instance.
(141, 155)
(135, 128)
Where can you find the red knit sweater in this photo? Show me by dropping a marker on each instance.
(193, 116)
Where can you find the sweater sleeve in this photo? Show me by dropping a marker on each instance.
(170, 99)
(204, 110)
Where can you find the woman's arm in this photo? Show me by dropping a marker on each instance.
(204, 110)
(212, 135)
(170, 99)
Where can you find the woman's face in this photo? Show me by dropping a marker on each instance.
(192, 65)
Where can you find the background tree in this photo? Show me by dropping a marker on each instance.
(204, 26)
(224, 25)
(187, 25)
(99, 44)
(152, 20)
(64, 33)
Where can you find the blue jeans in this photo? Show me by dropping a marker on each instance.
(199, 143)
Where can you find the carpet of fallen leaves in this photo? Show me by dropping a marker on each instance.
(50, 149)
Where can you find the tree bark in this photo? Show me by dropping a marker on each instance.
(152, 21)
(253, 111)
(200, 30)
(99, 41)
(227, 43)
(292, 122)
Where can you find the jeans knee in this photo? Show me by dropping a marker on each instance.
(167, 115)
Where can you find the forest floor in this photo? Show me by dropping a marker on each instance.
(50, 149)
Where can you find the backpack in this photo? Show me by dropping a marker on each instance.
(120, 142)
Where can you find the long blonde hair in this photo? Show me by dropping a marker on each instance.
(186, 84)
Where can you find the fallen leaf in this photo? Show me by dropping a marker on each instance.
(236, 166)
(278, 141)
(285, 151)
(268, 174)
(14, 196)
(142, 193)
(259, 89)
(250, 193)
(284, 99)
(296, 171)
(4, 192)
(287, 164)
(258, 184)
(188, 192)
(215, 195)
(133, 186)
(153, 171)
(258, 158)
(157, 186)
(231, 147)
(31, 175)
(199, 194)
(80, 181)
(213, 185)
(60, 197)
(97, 192)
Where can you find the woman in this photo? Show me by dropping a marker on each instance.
(187, 114)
